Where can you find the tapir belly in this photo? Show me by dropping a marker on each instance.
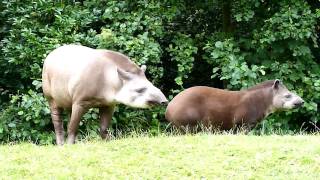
(202, 105)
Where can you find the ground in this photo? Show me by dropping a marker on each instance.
(201, 156)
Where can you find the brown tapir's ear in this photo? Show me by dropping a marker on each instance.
(276, 84)
(124, 75)
(144, 68)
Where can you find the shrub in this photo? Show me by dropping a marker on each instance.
(223, 44)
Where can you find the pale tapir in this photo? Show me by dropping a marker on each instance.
(225, 109)
(80, 78)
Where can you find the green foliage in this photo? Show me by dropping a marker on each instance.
(226, 44)
(23, 119)
(228, 63)
(33, 29)
(133, 29)
(182, 51)
(293, 21)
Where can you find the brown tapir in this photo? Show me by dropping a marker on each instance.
(225, 109)
(79, 78)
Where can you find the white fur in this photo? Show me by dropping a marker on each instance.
(127, 92)
(280, 101)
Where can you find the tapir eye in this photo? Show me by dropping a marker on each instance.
(141, 90)
(288, 96)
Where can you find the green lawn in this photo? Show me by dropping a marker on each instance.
(199, 156)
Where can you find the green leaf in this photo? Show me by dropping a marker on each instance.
(238, 17)
(178, 80)
(12, 125)
(218, 44)
(215, 69)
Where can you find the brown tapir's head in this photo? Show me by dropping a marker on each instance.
(138, 91)
(283, 98)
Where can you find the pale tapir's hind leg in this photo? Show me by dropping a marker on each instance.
(105, 120)
(76, 114)
(57, 122)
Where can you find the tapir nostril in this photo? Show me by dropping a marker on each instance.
(298, 104)
(164, 103)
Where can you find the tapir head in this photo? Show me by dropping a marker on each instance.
(138, 91)
(283, 98)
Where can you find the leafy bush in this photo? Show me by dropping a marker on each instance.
(182, 51)
(24, 119)
(226, 44)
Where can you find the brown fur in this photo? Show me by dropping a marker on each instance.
(222, 108)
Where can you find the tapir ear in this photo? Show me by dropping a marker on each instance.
(124, 75)
(144, 68)
(276, 84)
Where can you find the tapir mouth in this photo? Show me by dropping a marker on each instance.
(156, 103)
(298, 105)
(153, 103)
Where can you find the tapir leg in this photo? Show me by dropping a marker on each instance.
(57, 122)
(105, 120)
(76, 114)
(245, 127)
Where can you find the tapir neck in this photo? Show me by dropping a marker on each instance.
(259, 103)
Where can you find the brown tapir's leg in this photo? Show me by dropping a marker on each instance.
(249, 126)
(245, 127)
(57, 122)
(105, 120)
(76, 114)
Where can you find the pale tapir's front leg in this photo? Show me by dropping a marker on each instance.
(105, 120)
(76, 114)
(57, 122)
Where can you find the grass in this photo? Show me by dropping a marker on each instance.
(201, 156)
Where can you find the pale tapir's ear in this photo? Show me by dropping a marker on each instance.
(144, 68)
(276, 84)
(124, 75)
